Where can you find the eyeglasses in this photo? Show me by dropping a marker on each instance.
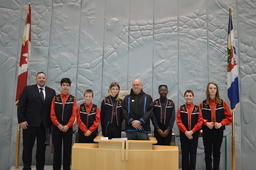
(163, 90)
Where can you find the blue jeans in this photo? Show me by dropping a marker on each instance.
(137, 136)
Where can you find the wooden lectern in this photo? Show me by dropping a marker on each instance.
(124, 155)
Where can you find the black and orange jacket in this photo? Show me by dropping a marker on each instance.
(88, 117)
(189, 117)
(167, 118)
(111, 111)
(63, 110)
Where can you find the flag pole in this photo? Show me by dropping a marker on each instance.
(233, 119)
(17, 148)
(233, 143)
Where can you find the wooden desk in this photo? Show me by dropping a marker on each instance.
(141, 144)
(124, 155)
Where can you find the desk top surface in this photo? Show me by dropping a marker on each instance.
(152, 140)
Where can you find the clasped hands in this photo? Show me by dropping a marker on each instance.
(88, 133)
(163, 133)
(136, 124)
(63, 128)
(210, 125)
(189, 134)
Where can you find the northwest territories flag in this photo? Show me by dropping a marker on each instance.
(25, 53)
(232, 67)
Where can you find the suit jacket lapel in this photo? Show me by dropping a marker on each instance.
(47, 93)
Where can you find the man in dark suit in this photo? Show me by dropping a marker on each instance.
(34, 118)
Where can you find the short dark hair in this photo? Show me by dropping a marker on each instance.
(188, 91)
(89, 91)
(162, 85)
(40, 73)
(65, 80)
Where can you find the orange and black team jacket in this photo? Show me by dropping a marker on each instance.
(169, 114)
(111, 111)
(88, 117)
(189, 117)
(63, 110)
(216, 111)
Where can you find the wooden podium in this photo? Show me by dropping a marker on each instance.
(124, 155)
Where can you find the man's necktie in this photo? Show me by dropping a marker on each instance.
(41, 93)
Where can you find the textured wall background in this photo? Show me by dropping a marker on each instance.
(94, 42)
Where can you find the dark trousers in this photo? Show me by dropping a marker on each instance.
(137, 136)
(60, 138)
(189, 150)
(29, 136)
(86, 139)
(163, 140)
(111, 131)
(212, 139)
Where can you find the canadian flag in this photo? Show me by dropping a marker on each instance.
(25, 53)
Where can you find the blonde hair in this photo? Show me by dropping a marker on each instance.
(217, 95)
(109, 89)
